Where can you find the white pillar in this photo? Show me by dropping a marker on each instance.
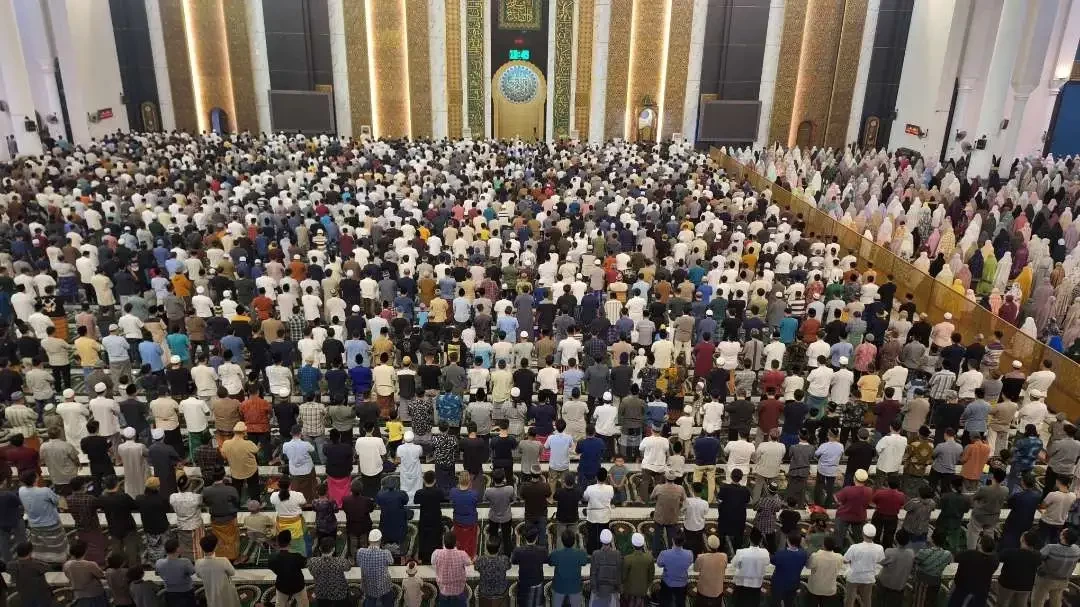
(769, 67)
(598, 89)
(16, 82)
(549, 107)
(1014, 18)
(338, 57)
(1029, 68)
(440, 109)
(82, 32)
(40, 67)
(693, 72)
(161, 66)
(971, 79)
(931, 59)
(260, 63)
(6, 128)
(866, 52)
(965, 93)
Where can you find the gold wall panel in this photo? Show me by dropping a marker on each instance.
(678, 61)
(622, 14)
(454, 114)
(817, 68)
(475, 20)
(246, 117)
(419, 68)
(176, 56)
(211, 60)
(847, 68)
(389, 55)
(787, 71)
(583, 77)
(356, 62)
(647, 55)
(563, 76)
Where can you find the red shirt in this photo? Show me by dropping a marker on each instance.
(853, 502)
(889, 501)
(703, 357)
(256, 413)
(263, 306)
(809, 329)
(24, 458)
(772, 379)
(769, 414)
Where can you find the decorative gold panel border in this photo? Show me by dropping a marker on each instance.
(391, 65)
(817, 69)
(454, 114)
(787, 71)
(647, 56)
(622, 14)
(564, 49)
(678, 60)
(243, 78)
(847, 68)
(583, 95)
(475, 20)
(356, 61)
(213, 83)
(176, 55)
(419, 68)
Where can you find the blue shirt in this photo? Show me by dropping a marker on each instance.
(591, 450)
(788, 328)
(353, 347)
(509, 325)
(706, 450)
(789, 564)
(828, 455)
(464, 501)
(448, 406)
(40, 504)
(150, 354)
(235, 345)
(559, 445)
(572, 379)
(308, 379)
(298, 452)
(361, 379)
(676, 564)
(568, 563)
(840, 348)
(178, 345)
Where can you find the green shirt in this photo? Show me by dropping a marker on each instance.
(638, 571)
(932, 561)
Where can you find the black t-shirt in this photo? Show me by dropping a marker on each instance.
(118, 507)
(474, 453)
(429, 376)
(530, 561)
(430, 500)
(96, 449)
(134, 412)
(1018, 568)
(567, 502)
(731, 508)
(289, 568)
(339, 458)
(974, 572)
(535, 494)
(286, 415)
(789, 521)
(502, 449)
(860, 454)
(154, 508)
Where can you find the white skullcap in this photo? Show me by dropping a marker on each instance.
(128, 432)
(721, 361)
(638, 540)
(688, 409)
(948, 316)
(374, 535)
(356, 308)
(869, 530)
(524, 333)
(1017, 364)
(843, 360)
(157, 434)
(605, 536)
(200, 290)
(408, 436)
(607, 396)
(515, 391)
(69, 393)
(708, 312)
(174, 359)
(100, 387)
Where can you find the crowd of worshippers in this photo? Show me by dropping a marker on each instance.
(1006, 242)
(547, 325)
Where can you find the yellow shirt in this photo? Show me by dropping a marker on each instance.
(439, 309)
(396, 430)
(240, 455)
(88, 351)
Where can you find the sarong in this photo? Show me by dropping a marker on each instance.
(154, 546)
(97, 545)
(466, 538)
(50, 543)
(386, 403)
(295, 525)
(228, 535)
(189, 542)
(61, 325)
(338, 488)
(306, 484)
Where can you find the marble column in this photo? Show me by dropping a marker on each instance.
(16, 80)
(693, 74)
(437, 68)
(161, 66)
(1028, 70)
(260, 63)
(598, 99)
(339, 54)
(1010, 33)
(40, 66)
(866, 52)
(965, 93)
(769, 66)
